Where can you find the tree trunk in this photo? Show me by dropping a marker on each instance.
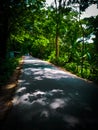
(57, 29)
(3, 30)
(57, 42)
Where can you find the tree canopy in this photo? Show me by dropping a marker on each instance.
(55, 33)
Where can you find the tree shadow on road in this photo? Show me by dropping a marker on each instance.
(48, 99)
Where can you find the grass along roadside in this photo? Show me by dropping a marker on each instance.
(7, 89)
(7, 68)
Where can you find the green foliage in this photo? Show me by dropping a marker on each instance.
(39, 47)
(7, 68)
(52, 58)
(71, 67)
(34, 29)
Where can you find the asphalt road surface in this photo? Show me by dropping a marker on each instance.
(48, 98)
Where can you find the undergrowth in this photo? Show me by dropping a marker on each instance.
(7, 68)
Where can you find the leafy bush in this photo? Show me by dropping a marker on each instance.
(71, 66)
(7, 68)
(52, 58)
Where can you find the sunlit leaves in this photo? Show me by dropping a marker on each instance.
(33, 28)
(41, 41)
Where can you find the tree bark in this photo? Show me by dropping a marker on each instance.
(57, 41)
(3, 30)
(57, 29)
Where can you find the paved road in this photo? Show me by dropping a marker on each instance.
(49, 99)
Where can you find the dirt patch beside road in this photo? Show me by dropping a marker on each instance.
(7, 92)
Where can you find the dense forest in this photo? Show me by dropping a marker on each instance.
(55, 33)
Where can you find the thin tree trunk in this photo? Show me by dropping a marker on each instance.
(83, 44)
(3, 30)
(57, 42)
(57, 29)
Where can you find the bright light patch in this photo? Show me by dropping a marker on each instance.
(38, 93)
(90, 11)
(21, 89)
(57, 103)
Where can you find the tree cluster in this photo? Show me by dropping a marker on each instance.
(55, 33)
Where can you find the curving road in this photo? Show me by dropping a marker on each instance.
(48, 98)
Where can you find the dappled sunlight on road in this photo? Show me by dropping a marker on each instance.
(57, 103)
(48, 98)
(44, 70)
(41, 97)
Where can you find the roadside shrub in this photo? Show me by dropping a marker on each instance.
(72, 67)
(7, 68)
